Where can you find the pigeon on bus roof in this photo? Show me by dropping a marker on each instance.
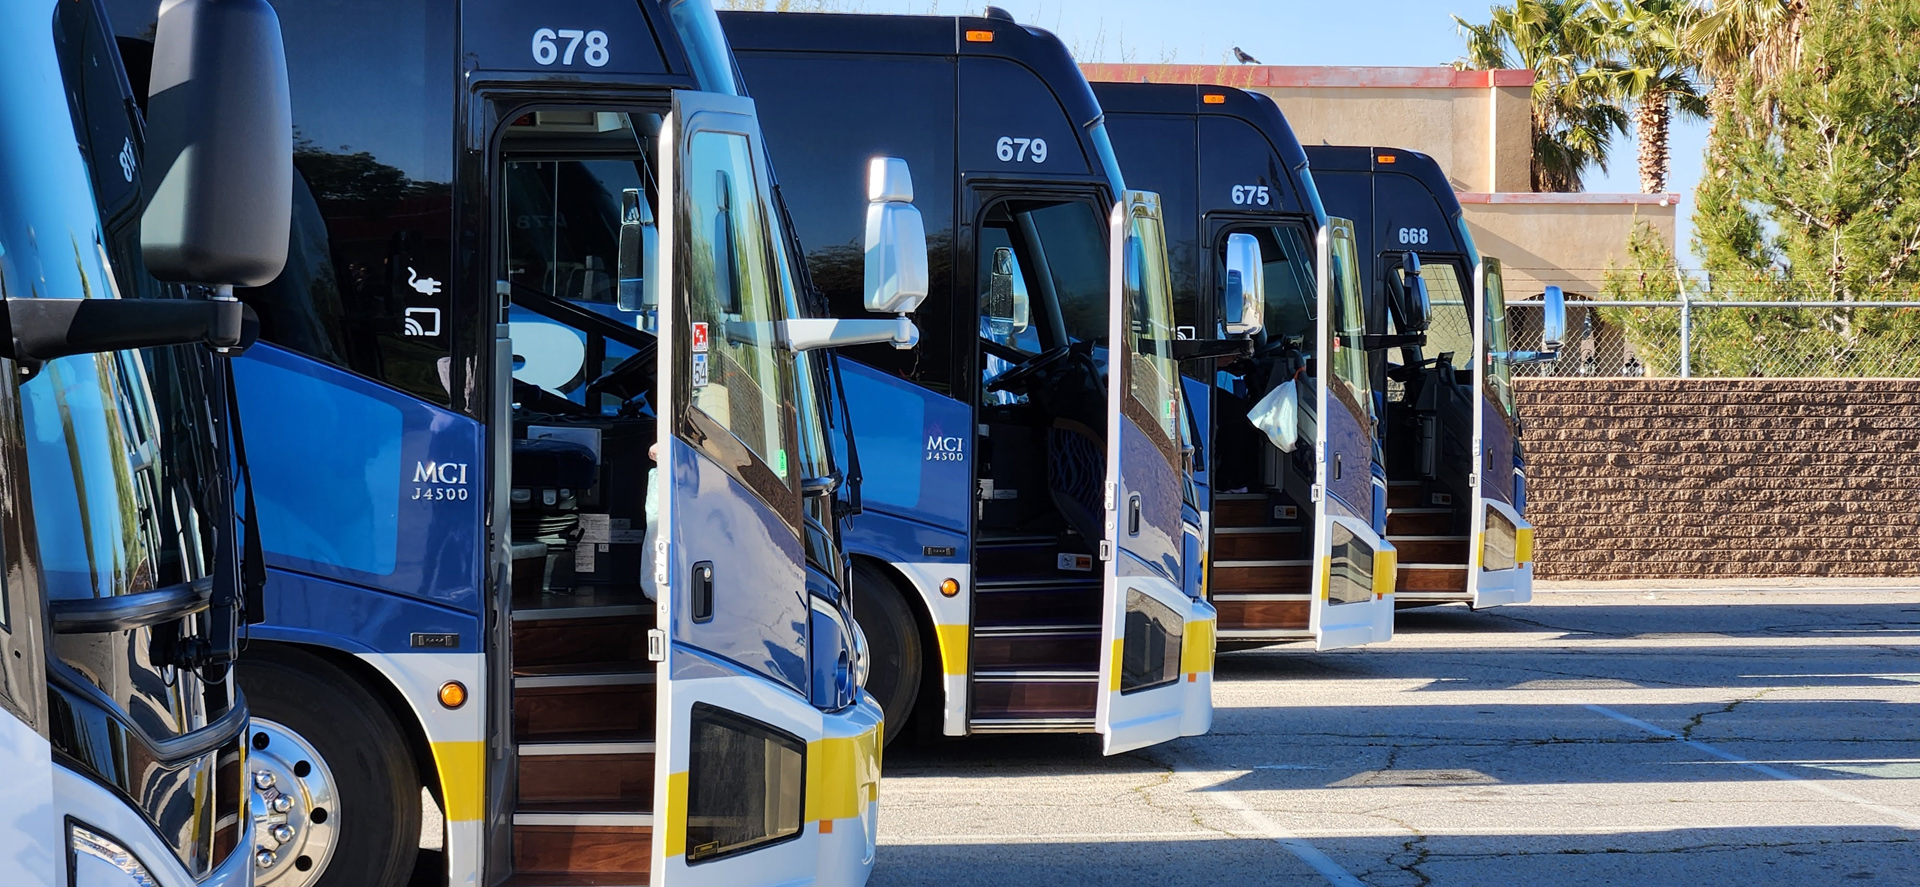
(1245, 59)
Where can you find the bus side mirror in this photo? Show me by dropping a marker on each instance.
(1009, 309)
(1416, 311)
(1246, 294)
(219, 146)
(638, 236)
(39, 330)
(1553, 319)
(896, 242)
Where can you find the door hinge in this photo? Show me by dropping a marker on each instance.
(1113, 495)
(1106, 550)
(659, 564)
(656, 645)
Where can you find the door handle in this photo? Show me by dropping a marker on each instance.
(702, 591)
(1336, 466)
(1133, 515)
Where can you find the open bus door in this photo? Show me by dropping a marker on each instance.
(1144, 623)
(740, 796)
(1354, 566)
(1501, 547)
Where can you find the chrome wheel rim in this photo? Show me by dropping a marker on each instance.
(296, 816)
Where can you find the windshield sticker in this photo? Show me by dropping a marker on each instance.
(699, 371)
(700, 338)
(1078, 563)
(422, 322)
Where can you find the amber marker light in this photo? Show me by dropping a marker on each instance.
(979, 36)
(453, 694)
(1213, 98)
(1386, 158)
(949, 587)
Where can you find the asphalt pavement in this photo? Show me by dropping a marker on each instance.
(1620, 738)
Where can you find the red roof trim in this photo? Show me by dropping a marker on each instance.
(1304, 76)
(1583, 198)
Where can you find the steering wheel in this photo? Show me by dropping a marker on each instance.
(1026, 367)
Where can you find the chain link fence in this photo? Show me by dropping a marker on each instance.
(1725, 338)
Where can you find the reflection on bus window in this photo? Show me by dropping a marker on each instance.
(1153, 375)
(730, 290)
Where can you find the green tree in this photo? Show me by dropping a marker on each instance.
(1751, 39)
(1646, 63)
(1574, 115)
(1814, 187)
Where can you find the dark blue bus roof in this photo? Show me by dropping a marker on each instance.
(923, 35)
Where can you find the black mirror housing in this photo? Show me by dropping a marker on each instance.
(219, 146)
(39, 330)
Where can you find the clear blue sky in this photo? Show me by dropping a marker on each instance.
(1292, 32)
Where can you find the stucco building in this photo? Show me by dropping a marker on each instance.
(1476, 124)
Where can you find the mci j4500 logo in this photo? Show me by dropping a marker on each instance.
(946, 449)
(440, 481)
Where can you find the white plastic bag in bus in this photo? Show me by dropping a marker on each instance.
(1278, 416)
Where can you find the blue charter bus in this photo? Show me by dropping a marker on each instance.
(1456, 491)
(1294, 544)
(1019, 559)
(542, 464)
(129, 582)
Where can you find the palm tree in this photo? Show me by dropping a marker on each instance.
(1745, 38)
(1646, 64)
(1574, 115)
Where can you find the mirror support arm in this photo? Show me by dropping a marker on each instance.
(812, 333)
(39, 330)
(1186, 350)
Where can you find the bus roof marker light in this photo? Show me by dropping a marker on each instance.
(1386, 158)
(1213, 98)
(979, 36)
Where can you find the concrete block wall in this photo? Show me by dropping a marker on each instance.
(1723, 478)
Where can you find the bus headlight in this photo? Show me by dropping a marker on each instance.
(103, 860)
(862, 657)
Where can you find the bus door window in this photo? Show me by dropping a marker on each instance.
(1499, 367)
(1042, 397)
(1282, 354)
(579, 192)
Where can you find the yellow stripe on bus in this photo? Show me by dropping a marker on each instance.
(463, 778)
(1523, 545)
(1386, 565)
(1113, 678)
(1196, 649)
(1326, 578)
(843, 775)
(672, 822)
(953, 648)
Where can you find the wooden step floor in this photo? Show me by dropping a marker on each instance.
(1431, 549)
(583, 723)
(1036, 647)
(1065, 696)
(1431, 582)
(1257, 543)
(1419, 521)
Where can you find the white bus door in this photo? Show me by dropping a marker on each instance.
(1143, 692)
(1353, 575)
(734, 723)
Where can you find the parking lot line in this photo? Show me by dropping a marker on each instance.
(1903, 816)
(1273, 831)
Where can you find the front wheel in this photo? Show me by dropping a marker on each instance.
(336, 795)
(893, 639)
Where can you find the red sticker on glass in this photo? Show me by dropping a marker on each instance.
(699, 337)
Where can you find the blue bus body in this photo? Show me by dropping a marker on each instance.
(1226, 162)
(1454, 464)
(463, 458)
(990, 562)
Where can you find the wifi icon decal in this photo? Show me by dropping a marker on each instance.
(422, 322)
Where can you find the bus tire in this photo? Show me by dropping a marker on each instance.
(374, 782)
(893, 642)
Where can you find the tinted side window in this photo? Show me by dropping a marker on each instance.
(744, 784)
(821, 129)
(373, 95)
